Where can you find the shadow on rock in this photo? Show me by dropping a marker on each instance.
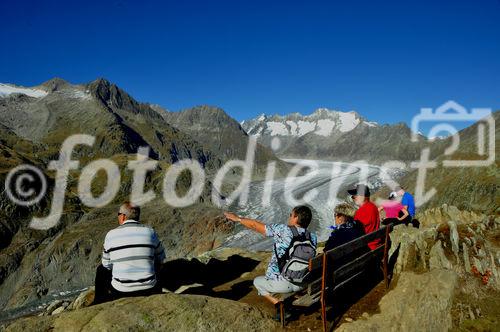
(182, 272)
(340, 301)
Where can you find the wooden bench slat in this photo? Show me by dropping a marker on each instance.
(282, 296)
(355, 244)
(360, 262)
(307, 300)
(314, 286)
(347, 280)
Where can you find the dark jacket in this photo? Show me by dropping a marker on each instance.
(346, 232)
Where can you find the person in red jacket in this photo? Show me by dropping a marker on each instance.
(367, 212)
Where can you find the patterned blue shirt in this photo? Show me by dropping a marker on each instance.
(282, 236)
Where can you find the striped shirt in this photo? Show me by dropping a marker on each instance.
(131, 251)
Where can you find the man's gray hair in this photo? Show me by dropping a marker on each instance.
(130, 211)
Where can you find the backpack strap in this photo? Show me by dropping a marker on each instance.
(276, 251)
(295, 233)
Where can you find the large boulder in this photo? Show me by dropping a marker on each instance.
(419, 302)
(462, 246)
(410, 246)
(85, 299)
(166, 312)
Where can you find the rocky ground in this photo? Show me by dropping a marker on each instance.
(446, 276)
(167, 312)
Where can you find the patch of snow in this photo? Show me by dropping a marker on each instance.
(348, 121)
(438, 137)
(249, 130)
(371, 124)
(258, 133)
(277, 128)
(77, 94)
(262, 117)
(306, 127)
(293, 127)
(325, 127)
(7, 89)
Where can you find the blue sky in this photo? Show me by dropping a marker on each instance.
(382, 59)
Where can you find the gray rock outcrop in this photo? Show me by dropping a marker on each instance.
(166, 312)
(419, 302)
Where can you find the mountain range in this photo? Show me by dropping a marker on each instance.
(471, 188)
(35, 121)
(33, 124)
(334, 135)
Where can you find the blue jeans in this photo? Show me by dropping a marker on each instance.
(266, 286)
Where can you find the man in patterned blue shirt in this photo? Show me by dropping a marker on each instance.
(273, 281)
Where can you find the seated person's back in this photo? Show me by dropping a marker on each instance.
(274, 281)
(367, 213)
(347, 228)
(130, 251)
(131, 256)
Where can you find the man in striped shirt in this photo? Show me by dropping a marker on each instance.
(130, 260)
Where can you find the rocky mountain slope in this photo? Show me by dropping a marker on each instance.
(468, 188)
(33, 124)
(99, 108)
(221, 133)
(327, 134)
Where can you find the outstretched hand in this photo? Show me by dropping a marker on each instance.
(231, 216)
(254, 225)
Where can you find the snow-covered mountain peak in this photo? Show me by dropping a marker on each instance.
(322, 122)
(54, 86)
(8, 89)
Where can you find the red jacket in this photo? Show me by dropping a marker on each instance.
(368, 215)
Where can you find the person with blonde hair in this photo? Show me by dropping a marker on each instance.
(347, 228)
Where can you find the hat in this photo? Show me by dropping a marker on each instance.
(393, 195)
(360, 190)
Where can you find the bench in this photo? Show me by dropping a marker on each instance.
(306, 297)
(326, 276)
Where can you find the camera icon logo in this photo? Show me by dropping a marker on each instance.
(451, 112)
